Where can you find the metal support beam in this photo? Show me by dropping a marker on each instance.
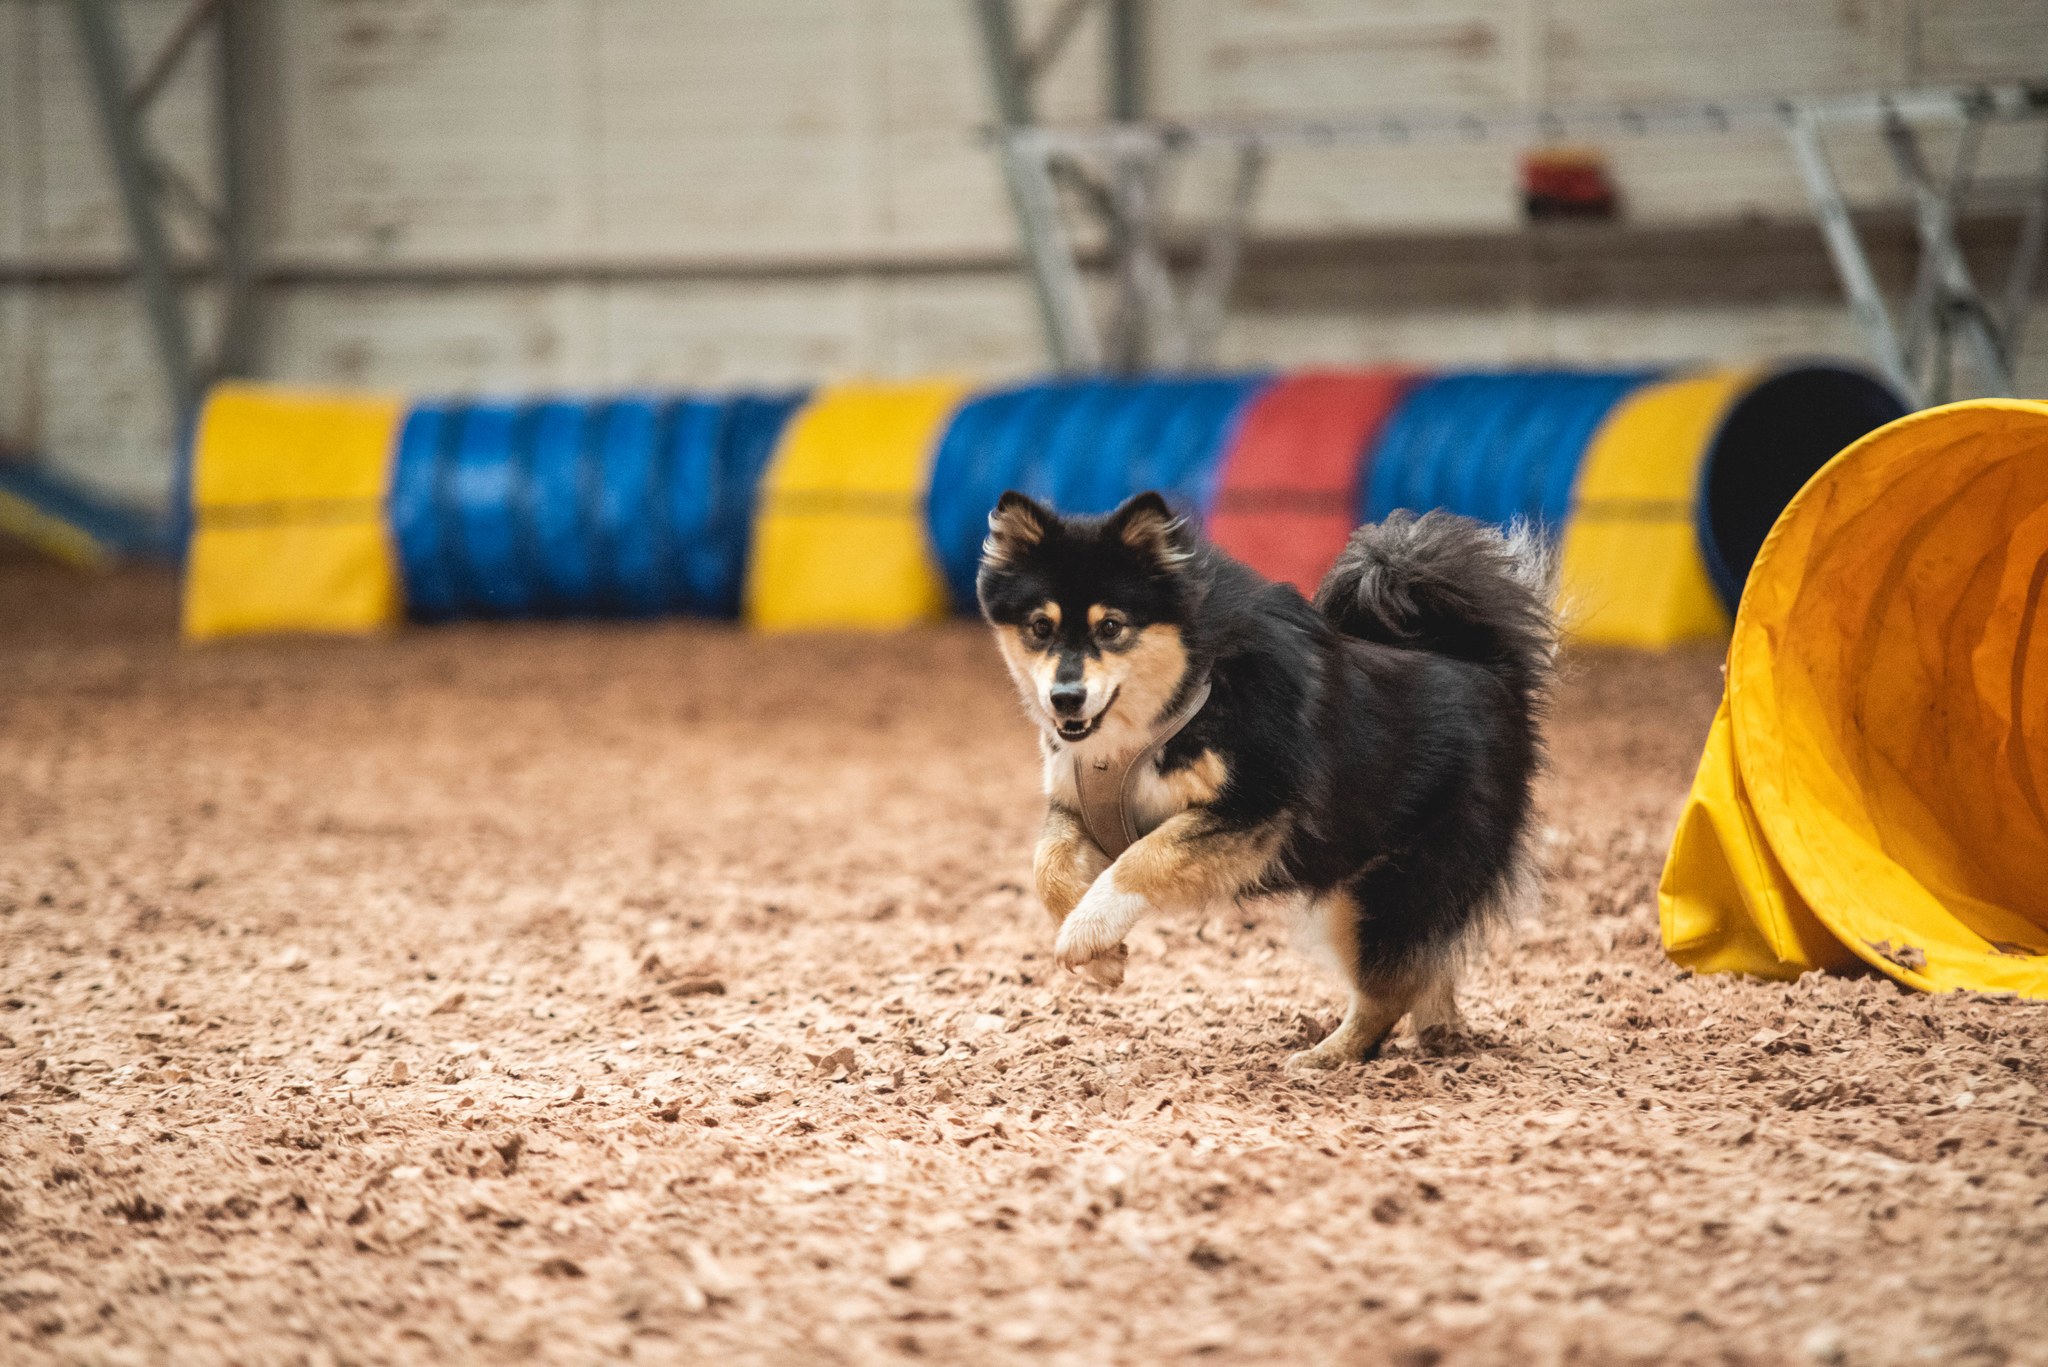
(149, 183)
(1055, 278)
(1945, 304)
(1866, 303)
(1957, 306)
(1924, 303)
(1144, 287)
(157, 74)
(1121, 171)
(1042, 54)
(107, 70)
(238, 136)
(1126, 60)
(1153, 318)
(1524, 124)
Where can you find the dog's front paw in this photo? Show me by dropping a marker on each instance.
(1095, 929)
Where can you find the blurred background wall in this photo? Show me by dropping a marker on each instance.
(479, 195)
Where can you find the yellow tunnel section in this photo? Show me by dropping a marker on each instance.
(1630, 570)
(839, 535)
(1876, 784)
(288, 529)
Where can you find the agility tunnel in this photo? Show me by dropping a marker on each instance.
(1875, 786)
(864, 505)
(344, 512)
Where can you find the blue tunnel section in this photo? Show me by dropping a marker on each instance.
(1492, 445)
(1083, 446)
(633, 506)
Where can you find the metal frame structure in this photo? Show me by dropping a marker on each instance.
(152, 187)
(1153, 319)
(1120, 170)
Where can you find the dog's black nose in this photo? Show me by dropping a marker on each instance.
(1067, 699)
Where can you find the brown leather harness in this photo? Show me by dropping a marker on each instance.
(1102, 786)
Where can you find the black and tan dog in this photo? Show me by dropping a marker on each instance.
(1210, 735)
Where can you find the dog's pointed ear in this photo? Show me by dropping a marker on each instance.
(1146, 524)
(1016, 525)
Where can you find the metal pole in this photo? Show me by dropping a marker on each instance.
(1866, 305)
(1062, 295)
(1141, 322)
(106, 70)
(241, 225)
(999, 54)
(1062, 310)
(1126, 57)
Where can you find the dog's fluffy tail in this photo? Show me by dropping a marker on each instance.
(1448, 584)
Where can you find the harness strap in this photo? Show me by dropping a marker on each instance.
(1103, 785)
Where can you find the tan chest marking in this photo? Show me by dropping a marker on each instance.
(1156, 796)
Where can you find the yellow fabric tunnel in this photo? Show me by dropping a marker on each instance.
(1876, 784)
(1630, 568)
(289, 531)
(839, 538)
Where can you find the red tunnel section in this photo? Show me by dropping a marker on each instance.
(1288, 493)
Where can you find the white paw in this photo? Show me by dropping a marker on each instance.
(1097, 926)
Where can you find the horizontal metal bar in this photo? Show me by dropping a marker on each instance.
(1404, 128)
(1665, 249)
(285, 269)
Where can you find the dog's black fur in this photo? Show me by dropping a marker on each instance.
(1372, 753)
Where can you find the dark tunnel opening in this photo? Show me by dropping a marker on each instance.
(1770, 443)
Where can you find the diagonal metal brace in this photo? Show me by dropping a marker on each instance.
(1838, 231)
(1957, 303)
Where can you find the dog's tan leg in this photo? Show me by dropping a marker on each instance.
(1376, 1008)
(1371, 1018)
(1191, 860)
(1065, 863)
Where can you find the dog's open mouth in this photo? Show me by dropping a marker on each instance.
(1080, 728)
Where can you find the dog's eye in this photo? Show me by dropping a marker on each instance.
(1039, 628)
(1110, 630)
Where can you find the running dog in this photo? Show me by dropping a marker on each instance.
(1210, 735)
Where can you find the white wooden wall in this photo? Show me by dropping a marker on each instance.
(809, 143)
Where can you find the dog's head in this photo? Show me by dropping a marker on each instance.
(1089, 612)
